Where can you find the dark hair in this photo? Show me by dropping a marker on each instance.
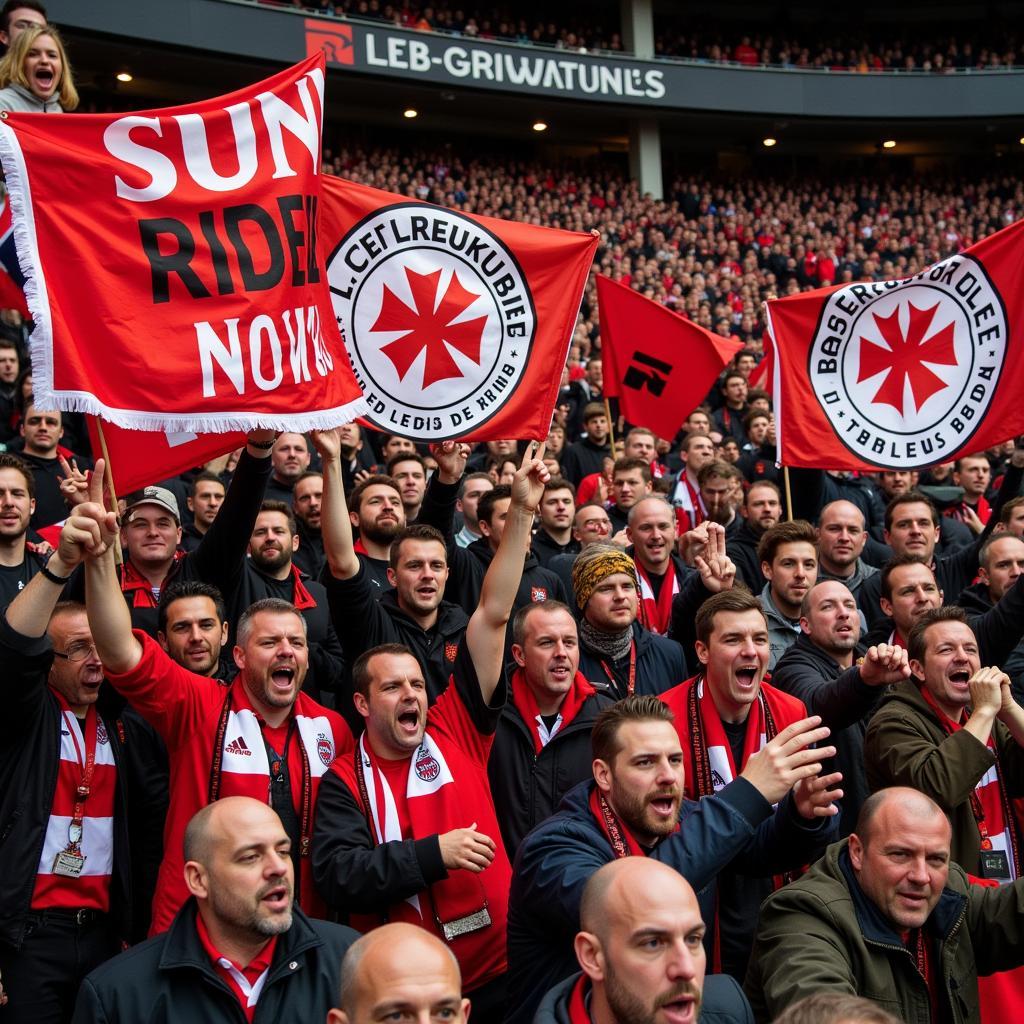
(206, 477)
(972, 455)
(361, 677)
(414, 531)
(762, 483)
(485, 506)
(604, 740)
(731, 375)
(557, 483)
(738, 599)
(720, 468)
(355, 496)
(524, 613)
(684, 445)
(628, 462)
(755, 414)
(910, 498)
(794, 532)
(307, 475)
(896, 562)
(405, 457)
(10, 461)
(269, 505)
(470, 477)
(917, 645)
(185, 589)
(987, 546)
(12, 5)
(1006, 512)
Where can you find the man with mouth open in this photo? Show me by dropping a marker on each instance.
(725, 716)
(238, 944)
(634, 806)
(259, 737)
(406, 828)
(955, 732)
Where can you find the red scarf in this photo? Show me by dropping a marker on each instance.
(990, 802)
(620, 839)
(656, 615)
(578, 1013)
(983, 510)
(301, 598)
(134, 583)
(526, 705)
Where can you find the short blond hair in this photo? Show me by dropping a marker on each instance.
(12, 67)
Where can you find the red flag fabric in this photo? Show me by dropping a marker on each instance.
(657, 363)
(139, 458)
(171, 261)
(11, 280)
(898, 374)
(457, 326)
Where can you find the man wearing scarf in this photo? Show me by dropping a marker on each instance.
(725, 716)
(634, 807)
(615, 648)
(407, 829)
(542, 746)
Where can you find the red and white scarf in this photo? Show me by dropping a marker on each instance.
(620, 839)
(990, 802)
(91, 889)
(526, 705)
(689, 505)
(656, 613)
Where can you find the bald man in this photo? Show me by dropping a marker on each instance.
(401, 972)
(641, 952)
(885, 914)
(238, 945)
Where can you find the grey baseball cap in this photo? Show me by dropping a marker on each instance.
(158, 496)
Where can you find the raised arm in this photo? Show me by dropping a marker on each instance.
(109, 617)
(335, 526)
(485, 633)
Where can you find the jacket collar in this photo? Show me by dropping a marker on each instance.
(184, 950)
(450, 617)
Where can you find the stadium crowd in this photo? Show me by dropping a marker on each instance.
(580, 729)
(914, 48)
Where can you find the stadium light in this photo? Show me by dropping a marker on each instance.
(769, 142)
(540, 126)
(1022, 140)
(889, 144)
(410, 113)
(124, 76)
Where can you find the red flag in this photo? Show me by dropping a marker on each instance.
(11, 279)
(897, 374)
(140, 457)
(456, 325)
(657, 363)
(173, 274)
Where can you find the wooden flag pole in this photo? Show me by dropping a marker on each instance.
(109, 480)
(789, 494)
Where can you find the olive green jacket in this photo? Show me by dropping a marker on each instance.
(822, 934)
(906, 745)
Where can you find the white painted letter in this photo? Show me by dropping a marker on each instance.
(264, 325)
(118, 140)
(196, 147)
(229, 359)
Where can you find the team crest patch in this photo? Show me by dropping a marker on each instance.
(437, 318)
(324, 749)
(906, 370)
(427, 768)
(538, 594)
(101, 732)
(450, 651)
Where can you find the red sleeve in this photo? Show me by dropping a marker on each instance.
(470, 726)
(172, 699)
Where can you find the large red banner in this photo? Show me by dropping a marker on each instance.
(171, 261)
(898, 374)
(657, 363)
(456, 326)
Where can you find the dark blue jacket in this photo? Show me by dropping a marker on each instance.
(660, 665)
(735, 828)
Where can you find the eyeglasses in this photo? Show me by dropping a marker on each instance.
(76, 652)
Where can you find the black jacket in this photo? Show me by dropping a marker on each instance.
(30, 731)
(528, 787)
(660, 665)
(735, 828)
(361, 622)
(545, 548)
(975, 600)
(170, 978)
(722, 1002)
(583, 458)
(310, 556)
(845, 704)
(50, 505)
(742, 549)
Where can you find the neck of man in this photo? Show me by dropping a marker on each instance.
(381, 747)
(728, 711)
(834, 569)
(239, 945)
(282, 572)
(954, 712)
(843, 658)
(424, 619)
(272, 715)
(200, 527)
(411, 511)
(12, 550)
(548, 703)
(154, 573)
(560, 536)
(653, 568)
(791, 611)
(691, 477)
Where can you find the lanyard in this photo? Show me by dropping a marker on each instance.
(87, 759)
(631, 683)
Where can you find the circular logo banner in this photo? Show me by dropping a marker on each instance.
(906, 370)
(437, 318)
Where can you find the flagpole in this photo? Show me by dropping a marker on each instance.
(789, 494)
(611, 429)
(109, 479)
